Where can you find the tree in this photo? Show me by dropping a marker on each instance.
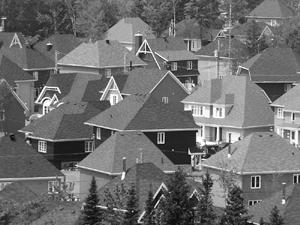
(235, 211)
(238, 9)
(149, 210)
(275, 217)
(206, 213)
(131, 214)
(177, 208)
(261, 221)
(254, 42)
(91, 214)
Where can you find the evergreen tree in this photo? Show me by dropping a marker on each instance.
(261, 221)
(131, 215)
(177, 208)
(91, 214)
(235, 211)
(275, 217)
(149, 210)
(206, 213)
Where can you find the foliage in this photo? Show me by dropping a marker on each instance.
(132, 213)
(91, 214)
(238, 9)
(235, 211)
(275, 217)
(261, 221)
(149, 210)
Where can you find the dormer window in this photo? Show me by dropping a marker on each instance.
(189, 65)
(173, 66)
(165, 100)
(42, 146)
(161, 138)
(113, 99)
(219, 112)
(280, 113)
(89, 146)
(197, 110)
(108, 73)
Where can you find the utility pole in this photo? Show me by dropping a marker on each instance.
(174, 17)
(229, 44)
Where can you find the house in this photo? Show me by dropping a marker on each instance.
(224, 110)
(155, 119)
(286, 200)
(57, 45)
(103, 57)
(20, 163)
(144, 177)
(125, 29)
(275, 70)
(13, 111)
(169, 53)
(60, 135)
(21, 81)
(272, 12)
(105, 162)
(216, 61)
(259, 164)
(286, 115)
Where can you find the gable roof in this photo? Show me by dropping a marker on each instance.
(7, 37)
(241, 30)
(240, 95)
(273, 65)
(166, 44)
(19, 160)
(289, 100)
(63, 43)
(289, 211)
(100, 54)
(125, 29)
(177, 55)
(258, 153)
(272, 9)
(65, 122)
(141, 112)
(107, 158)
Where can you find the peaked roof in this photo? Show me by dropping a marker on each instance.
(20, 160)
(107, 158)
(240, 95)
(289, 100)
(100, 54)
(66, 121)
(125, 29)
(274, 64)
(258, 153)
(289, 211)
(63, 43)
(272, 9)
(242, 29)
(7, 37)
(177, 55)
(141, 112)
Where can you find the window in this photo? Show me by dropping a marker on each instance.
(98, 133)
(197, 110)
(296, 178)
(161, 138)
(165, 100)
(280, 132)
(113, 99)
(219, 112)
(292, 116)
(89, 146)
(173, 66)
(107, 73)
(253, 202)
(189, 65)
(292, 135)
(2, 115)
(42, 146)
(280, 113)
(53, 186)
(255, 182)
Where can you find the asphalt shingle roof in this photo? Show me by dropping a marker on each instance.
(243, 29)
(19, 160)
(239, 94)
(289, 100)
(7, 37)
(132, 145)
(258, 153)
(167, 44)
(177, 55)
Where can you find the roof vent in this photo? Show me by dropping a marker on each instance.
(107, 42)
(49, 46)
(12, 137)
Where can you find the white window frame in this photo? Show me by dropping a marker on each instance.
(280, 132)
(98, 133)
(219, 112)
(257, 182)
(161, 138)
(108, 72)
(173, 66)
(253, 202)
(189, 65)
(2, 115)
(165, 100)
(293, 116)
(51, 186)
(114, 98)
(297, 176)
(197, 110)
(89, 146)
(42, 146)
(279, 113)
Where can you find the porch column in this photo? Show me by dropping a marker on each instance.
(203, 132)
(218, 134)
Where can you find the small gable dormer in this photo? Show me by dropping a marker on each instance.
(111, 92)
(15, 41)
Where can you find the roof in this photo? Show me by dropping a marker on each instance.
(63, 43)
(20, 160)
(289, 211)
(272, 9)
(238, 49)
(274, 64)
(66, 121)
(18, 192)
(125, 29)
(100, 54)
(243, 29)
(289, 100)
(7, 37)
(240, 96)
(166, 44)
(141, 112)
(177, 55)
(258, 153)
(132, 145)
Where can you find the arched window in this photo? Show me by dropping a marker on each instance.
(46, 105)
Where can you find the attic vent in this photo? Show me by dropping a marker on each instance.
(107, 42)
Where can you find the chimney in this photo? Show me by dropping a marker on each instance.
(49, 46)
(12, 137)
(138, 40)
(124, 168)
(2, 28)
(283, 201)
